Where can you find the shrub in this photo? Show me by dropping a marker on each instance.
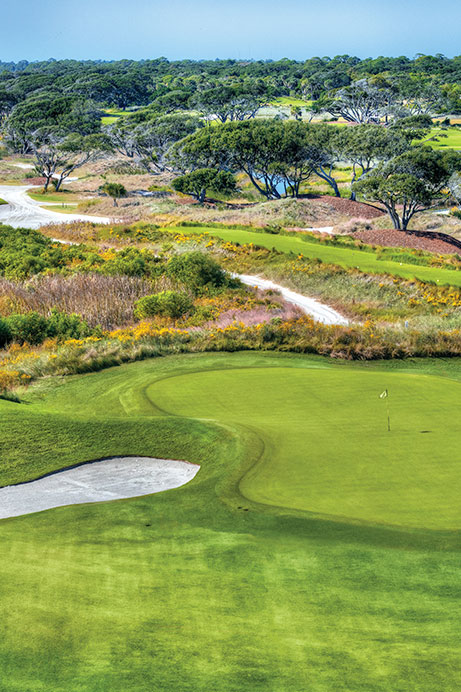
(5, 334)
(33, 328)
(132, 262)
(114, 190)
(64, 326)
(274, 229)
(30, 327)
(24, 252)
(196, 270)
(164, 304)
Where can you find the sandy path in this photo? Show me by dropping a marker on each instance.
(330, 230)
(319, 311)
(98, 481)
(22, 211)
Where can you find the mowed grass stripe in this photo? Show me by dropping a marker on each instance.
(344, 257)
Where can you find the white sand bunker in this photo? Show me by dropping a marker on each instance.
(97, 481)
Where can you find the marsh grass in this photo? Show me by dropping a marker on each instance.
(101, 300)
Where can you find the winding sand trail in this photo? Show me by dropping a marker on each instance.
(22, 211)
(319, 311)
(329, 230)
(97, 481)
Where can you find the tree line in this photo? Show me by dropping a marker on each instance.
(188, 84)
(197, 121)
(278, 157)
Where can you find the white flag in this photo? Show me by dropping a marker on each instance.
(384, 394)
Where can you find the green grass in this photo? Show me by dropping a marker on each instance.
(291, 101)
(65, 209)
(112, 116)
(315, 426)
(54, 197)
(109, 119)
(116, 111)
(257, 575)
(68, 201)
(2, 201)
(342, 256)
(446, 138)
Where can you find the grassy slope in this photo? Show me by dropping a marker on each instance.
(109, 119)
(345, 257)
(187, 592)
(112, 116)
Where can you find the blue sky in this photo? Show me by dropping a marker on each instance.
(113, 29)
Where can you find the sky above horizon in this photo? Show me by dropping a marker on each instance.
(240, 29)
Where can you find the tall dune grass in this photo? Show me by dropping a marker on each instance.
(101, 300)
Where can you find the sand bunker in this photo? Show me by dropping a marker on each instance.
(97, 481)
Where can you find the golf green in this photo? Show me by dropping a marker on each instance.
(314, 550)
(327, 447)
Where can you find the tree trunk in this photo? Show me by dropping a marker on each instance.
(334, 185)
(328, 179)
(353, 196)
(115, 202)
(396, 222)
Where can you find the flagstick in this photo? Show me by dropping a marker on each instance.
(388, 413)
(385, 395)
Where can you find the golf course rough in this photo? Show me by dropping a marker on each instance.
(313, 551)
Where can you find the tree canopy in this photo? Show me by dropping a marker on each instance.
(410, 183)
(198, 182)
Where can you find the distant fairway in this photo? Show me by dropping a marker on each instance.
(441, 138)
(326, 445)
(313, 551)
(370, 262)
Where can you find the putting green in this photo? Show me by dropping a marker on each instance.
(326, 444)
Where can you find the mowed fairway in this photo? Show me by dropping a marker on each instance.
(313, 550)
(343, 256)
